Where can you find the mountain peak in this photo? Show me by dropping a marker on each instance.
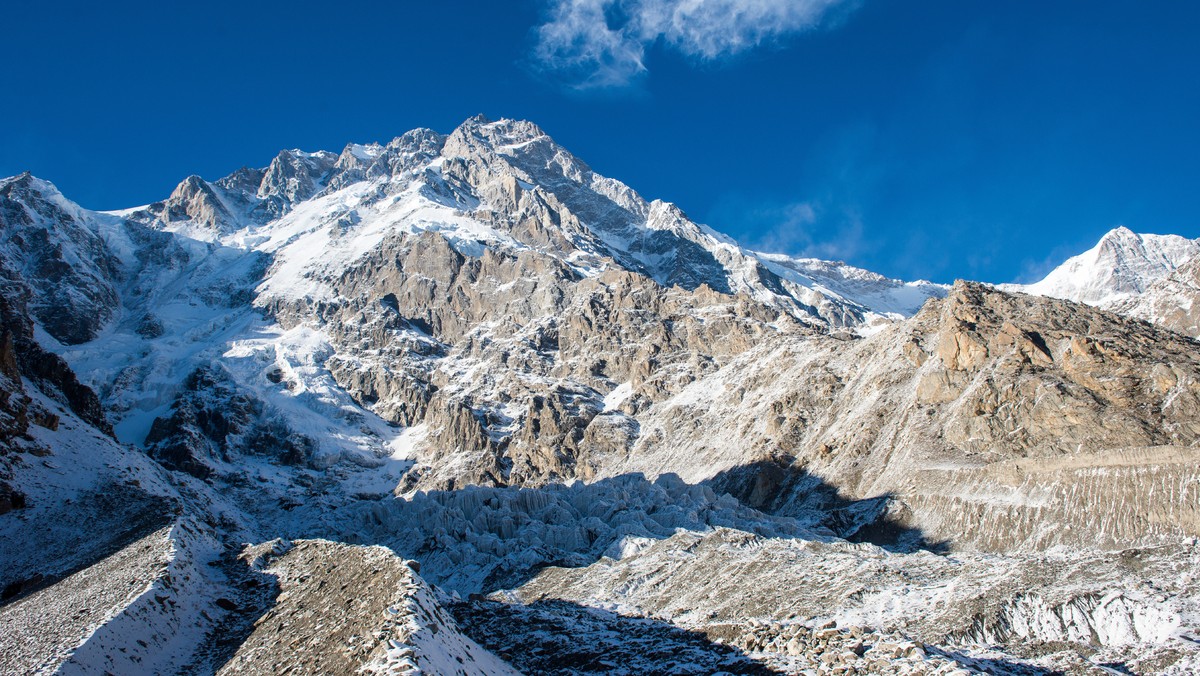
(27, 181)
(1122, 238)
(38, 194)
(504, 184)
(1122, 264)
(244, 180)
(504, 133)
(294, 176)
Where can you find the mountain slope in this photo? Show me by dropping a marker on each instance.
(1173, 301)
(57, 248)
(478, 213)
(992, 421)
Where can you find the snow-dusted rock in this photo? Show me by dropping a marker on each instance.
(1173, 301)
(344, 609)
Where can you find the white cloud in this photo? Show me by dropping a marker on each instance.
(807, 229)
(801, 229)
(602, 43)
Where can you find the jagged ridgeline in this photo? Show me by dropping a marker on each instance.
(484, 410)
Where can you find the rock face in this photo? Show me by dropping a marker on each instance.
(492, 248)
(554, 344)
(212, 420)
(588, 415)
(196, 202)
(47, 242)
(22, 358)
(210, 211)
(981, 420)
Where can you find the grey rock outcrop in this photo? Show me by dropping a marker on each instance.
(982, 419)
(553, 344)
(292, 177)
(212, 420)
(22, 358)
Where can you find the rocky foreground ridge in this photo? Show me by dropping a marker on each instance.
(458, 404)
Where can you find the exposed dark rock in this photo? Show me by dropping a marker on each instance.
(20, 355)
(68, 268)
(212, 420)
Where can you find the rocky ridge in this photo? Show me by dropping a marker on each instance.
(984, 419)
(388, 621)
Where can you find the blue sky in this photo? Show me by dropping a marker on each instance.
(935, 139)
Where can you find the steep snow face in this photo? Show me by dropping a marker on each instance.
(317, 242)
(1122, 265)
(872, 299)
(136, 312)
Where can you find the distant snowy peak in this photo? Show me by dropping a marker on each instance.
(1121, 266)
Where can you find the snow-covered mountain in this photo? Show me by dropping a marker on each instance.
(1121, 266)
(1151, 277)
(504, 186)
(525, 411)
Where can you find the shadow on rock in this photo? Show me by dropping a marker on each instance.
(561, 637)
(249, 594)
(558, 637)
(39, 548)
(783, 490)
(994, 665)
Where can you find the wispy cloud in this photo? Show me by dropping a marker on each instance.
(805, 229)
(594, 44)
